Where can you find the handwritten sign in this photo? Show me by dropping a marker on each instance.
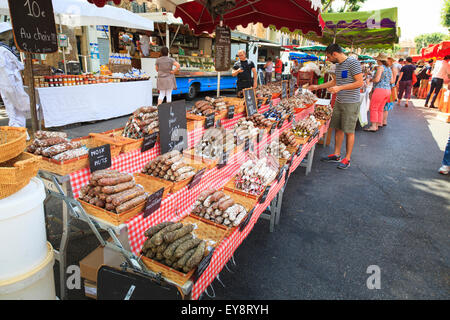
(273, 128)
(250, 101)
(280, 123)
(247, 220)
(223, 49)
(149, 141)
(172, 126)
(247, 144)
(264, 195)
(153, 202)
(100, 158)
(299, 150)
(292, 88)
(284, 85)
(34, 26)
(196, 178)
(223, 161)
(209, 120)
(231, 112)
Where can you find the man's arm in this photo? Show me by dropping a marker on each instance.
(255, 78)
(234, 73)
(359, 82)
(326, 85)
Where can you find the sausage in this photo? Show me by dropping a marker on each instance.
(49, 134)
(226, 204)
(70, 154)
(110, 207)
(118, 187)
(177, 234)
(177, 165)
(115, 180)
(103, 174)
(157, 239)
(130, 204)
(204, 194)
(173, 160)
(185, 247)
(217, 196)
(196, 257)
(182, 261)
(125, 195)
(150, 232)
(162, 247)
(168, 253)
(185, 176)
(49, 142)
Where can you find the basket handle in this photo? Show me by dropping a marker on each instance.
(23, 163)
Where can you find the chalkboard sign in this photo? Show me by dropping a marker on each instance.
(34, 26)
(264, 195)
(273, 128)
(280, 123)
(284, 88)
(260, 136)
(250, 101)
(291, 117)
(246, 221)
(292, 88)
(203, 265)
(260, 102)
(247, 144)
(209, 120)
(223, 49)
(299, 150)
(172, 126)
(149, 141)
(280, 174)
(153, 202)
(223, 161)
(196, 178)
(100, 158)
(231, 112)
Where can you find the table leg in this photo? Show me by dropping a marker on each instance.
(310, 160)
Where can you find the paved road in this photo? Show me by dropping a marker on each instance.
(390, 209)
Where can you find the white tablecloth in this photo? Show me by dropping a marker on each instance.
(67, 105)
(365, 104)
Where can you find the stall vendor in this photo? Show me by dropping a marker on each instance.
(245, 71)
(16, 100)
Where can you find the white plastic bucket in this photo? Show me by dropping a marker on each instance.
(37, 284)
(23, 240)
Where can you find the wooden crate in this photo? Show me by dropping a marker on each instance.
(69, 166)
(111, 217)
(230, 186)
(151, 185)
(205, 231)
(209, 163)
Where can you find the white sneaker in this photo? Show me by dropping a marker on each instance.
(444, 169)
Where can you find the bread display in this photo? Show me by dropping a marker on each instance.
(170, 166)
(142, 122)
(113, 191)
(218, 207)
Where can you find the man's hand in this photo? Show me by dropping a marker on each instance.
(334, 90)
(240, 70)
(313, 87)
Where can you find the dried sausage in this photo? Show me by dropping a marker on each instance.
(150, 232)
(130, 204)
(177, 234)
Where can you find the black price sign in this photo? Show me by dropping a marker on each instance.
(223, 49)
(100, 158)
(203, 265)
(273, 128)
(209, 120)
(291, 117)
(153, 202)
(172, 126)
(196, 178)
(260, 136)
(149, 141)
(316, 133)
(260, 101)
(34, 26)
(231, 112)
(250, 101)
(223, 161)
(284, 85)
(299, 150)
(292, 88)
(264, 195)
(247, 144)
(280, 174)
(246, 221)
(280, 123)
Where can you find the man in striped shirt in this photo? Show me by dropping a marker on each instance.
(346, 85)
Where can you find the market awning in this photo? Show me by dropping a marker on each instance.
(77, 13)
(162, 17)
(437, 51)
(302, 57)
(315, 48)
(292, 14)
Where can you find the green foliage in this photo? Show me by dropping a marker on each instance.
(445, 15)
(349, 5)
(424, 40)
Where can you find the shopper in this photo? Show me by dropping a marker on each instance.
(295, 70)
(166, 82)
(439, 75)
(278, 68)
(422, 74)
(445, 169)
(346, 85)
(245, 71)
(381, 92)
(390, 105)
(398, 66)
(405, 84)
(268, 67)
(16, 100)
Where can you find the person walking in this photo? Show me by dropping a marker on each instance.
(390, 105)
(381, 93)
(406, 81)
(268, 67)
(422, 74)
(278, 68)
(346, 85)
(445, 169)
(166, 81)
(245, 71)
(440, 73)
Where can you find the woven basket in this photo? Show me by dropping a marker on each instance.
(17, 173)
(66, 167)
(115, 138)
(209, 163)
(230, 186)
(205, 231)
(301, 140)
(151, 185)
(12, 142)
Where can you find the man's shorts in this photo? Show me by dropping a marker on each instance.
(345, 116)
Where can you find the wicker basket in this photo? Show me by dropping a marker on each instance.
(151, 185)
(230, 186)
(115, 138)
(17, 173)
(205, 231)
(301, 140)
(69, 166)
(13, 142)
(111, 217)
(209, 163)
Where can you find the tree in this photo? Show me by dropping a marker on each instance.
(425, 40)
(446, 14)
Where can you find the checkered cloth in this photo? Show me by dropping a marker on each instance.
(177, 206)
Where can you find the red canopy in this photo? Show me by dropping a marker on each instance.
(437, 51)
(292, 14)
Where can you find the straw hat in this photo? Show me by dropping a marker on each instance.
(382, 57)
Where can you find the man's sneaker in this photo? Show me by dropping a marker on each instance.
(344, 164)
(444, 170)
(331, 158)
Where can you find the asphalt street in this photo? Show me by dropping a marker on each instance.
(390, 209)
